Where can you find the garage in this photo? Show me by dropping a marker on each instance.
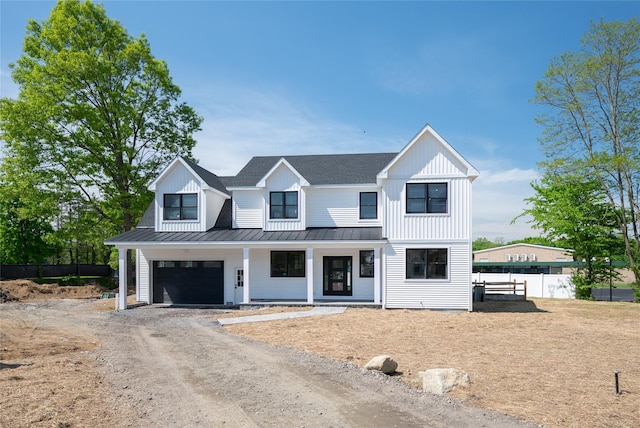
(188, 282)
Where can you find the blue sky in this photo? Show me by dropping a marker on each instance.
(282, 78)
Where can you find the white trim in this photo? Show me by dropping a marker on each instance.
(251, 244)
(472, 173)
(245, 266)
(122, 279)
(263, 181)
(309, 274)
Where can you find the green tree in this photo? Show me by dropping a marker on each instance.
(592, 99)
(573, 211)
(482, 244)
(534, 240)
(25, 210)
(99, 114)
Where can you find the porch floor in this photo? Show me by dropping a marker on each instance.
(320, 302)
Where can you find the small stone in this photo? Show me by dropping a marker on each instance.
(382, 363)
(441, 381)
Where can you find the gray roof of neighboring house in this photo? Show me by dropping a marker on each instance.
(210, 178)
(250, 235)
(360, 168)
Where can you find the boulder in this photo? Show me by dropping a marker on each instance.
(441, 381)
(382, 363)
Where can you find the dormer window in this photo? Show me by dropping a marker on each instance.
(181, 206)
(283, 205)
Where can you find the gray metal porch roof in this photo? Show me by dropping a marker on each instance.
(150, 236)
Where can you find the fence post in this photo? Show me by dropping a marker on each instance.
(525, 289)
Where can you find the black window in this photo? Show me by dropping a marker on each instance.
(283, 205)
(287, 264)
(366, 264)
(368, 205)
(426, 197)
(427, 263)
(181, 206)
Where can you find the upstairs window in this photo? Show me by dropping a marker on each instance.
(427, 263)
(426, 198)
(283, 205)
(181, 206)
(368, 205)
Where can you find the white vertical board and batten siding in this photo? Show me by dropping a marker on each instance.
(339, 207)
(284, 180)
(179, 180)
(453, 225)
(428, 161)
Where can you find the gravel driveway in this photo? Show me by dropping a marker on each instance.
(174, 367)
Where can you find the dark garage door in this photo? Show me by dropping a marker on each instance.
(190, 282)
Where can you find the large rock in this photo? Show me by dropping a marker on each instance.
(382, 363)
(441, 381)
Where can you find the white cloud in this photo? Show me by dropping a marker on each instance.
(498, 198)
(242, 122)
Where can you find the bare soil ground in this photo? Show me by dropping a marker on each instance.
(551, 362)
(548, 361)
(71, 363)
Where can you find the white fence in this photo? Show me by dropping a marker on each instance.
(538, 284)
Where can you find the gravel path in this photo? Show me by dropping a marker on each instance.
(173, 367)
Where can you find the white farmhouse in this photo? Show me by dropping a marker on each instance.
(387, 229)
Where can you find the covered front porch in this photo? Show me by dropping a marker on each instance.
(267, 274)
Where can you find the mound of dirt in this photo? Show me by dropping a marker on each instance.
(23, 290)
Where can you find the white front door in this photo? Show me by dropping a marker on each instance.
(239, 285)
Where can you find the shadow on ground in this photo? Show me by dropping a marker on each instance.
(506, 306)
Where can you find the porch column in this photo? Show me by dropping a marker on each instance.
(245, 271)
(122, 278)
(377, 280)
(310, 275)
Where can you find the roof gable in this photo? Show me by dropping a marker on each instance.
(458, 159)
(282, 162)
(206, 179)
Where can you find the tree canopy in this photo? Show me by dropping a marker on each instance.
(96, 112)
(591, 101)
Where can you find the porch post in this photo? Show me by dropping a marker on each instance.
(122, 278)
(245, 271)
(310, 275)
(377, 283)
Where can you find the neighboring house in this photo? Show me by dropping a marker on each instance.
(524, 259)
(389, 229)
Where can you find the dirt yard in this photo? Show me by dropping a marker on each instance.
(550, 362)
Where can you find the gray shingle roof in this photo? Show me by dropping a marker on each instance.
(360, 168)
(146, 235)
(210, 178)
